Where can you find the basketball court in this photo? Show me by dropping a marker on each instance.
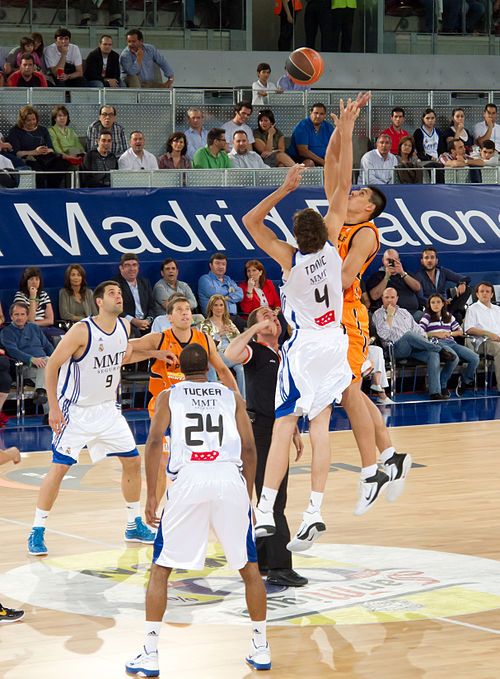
(408, 590)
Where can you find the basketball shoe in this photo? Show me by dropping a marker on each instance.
(310, 529)
(259, 657)
(139, 532)
(397, 468)
(145, 664)
(36, 542)
(264, 523)
(10, 615)
(369, 490)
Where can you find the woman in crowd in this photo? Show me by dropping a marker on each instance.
(222, 330)
(457, 130)
(76, 301)
(408, 162)
(40, 310)
(429, 143)
(31, 142)
(39, 47)
(65, 140)
(442, 327)
(258, 290)
(269, 141)
(175, 158)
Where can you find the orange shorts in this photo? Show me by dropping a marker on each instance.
(355, 322)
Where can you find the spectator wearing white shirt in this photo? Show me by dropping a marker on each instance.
(487, 153)
(64, 61)
(136, 157)
(377, 165)
(482, 321)
(241, 156)
(196, 135)
(262, 86)
(488, 128)
(242, 112)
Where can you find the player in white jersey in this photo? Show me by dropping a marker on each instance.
(212, 464)
(82, 376)
(314, 370)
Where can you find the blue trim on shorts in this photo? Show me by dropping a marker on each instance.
(59, 458)
(158, 543)
(251, 546)
(131, 453)
(289, 399)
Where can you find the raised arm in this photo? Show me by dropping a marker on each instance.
(236, 351)
(215, 360)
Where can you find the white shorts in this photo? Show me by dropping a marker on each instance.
(313, 373)
(204, 495)
(102, 428)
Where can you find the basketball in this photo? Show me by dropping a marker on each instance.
(304, 66)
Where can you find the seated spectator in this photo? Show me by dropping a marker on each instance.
(136, 157)
(114, 8)
(39, 49)
(76, 301)
(453, 287)
(262, 86)
(488, 129)
(379, 381)
(107, 123)
(441, 325)
(429, 143)
(269, 141)
(242, 112)
(391, 274)
(65, 140)
(241, 156)
(196, 135)
(394, 324)
(175, 157)
(26, 342)
(99, 162)
(457, 130)
(138, 302)
(32, 142)
(9, 177)
(408, 162)
(487, 154)
(213, 154)
(395, 129)
(169, 285)
(37, 301)
(286, 84)
(310, 138)
(27, 76)
(377, 164)
(482, 321)
(258, 290)
(102, 65)
(219, 326)
(217, 282)
(64, 61)
(137, 62)
(13, 59)
(6, 152)
(457, 157)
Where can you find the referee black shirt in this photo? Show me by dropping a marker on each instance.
(261, 372)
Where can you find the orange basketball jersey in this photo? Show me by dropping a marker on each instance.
(352, 295)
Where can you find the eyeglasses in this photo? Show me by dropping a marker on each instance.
(108, 115)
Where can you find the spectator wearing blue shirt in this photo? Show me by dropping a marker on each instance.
(310, 138)
(137, 63)
(217, 282)
(288, 85)
(195, 134)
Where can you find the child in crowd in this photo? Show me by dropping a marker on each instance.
(263, 86)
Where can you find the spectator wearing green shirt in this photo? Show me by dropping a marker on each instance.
(213, 154)
(64, 139)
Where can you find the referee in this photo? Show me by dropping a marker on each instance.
(257, 350)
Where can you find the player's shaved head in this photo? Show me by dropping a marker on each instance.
(193, 359)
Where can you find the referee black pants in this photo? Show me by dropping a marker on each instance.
(271, 551)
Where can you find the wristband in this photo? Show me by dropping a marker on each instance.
(387, 278)
(390, 315)
(34, 299)
(31, 359)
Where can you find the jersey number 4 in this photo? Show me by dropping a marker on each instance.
(201, 426)
(322, 297)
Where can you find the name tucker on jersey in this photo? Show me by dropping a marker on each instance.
(205, 392)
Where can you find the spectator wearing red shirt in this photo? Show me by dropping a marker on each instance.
(395, 131)
(258, 291)
(27, 76)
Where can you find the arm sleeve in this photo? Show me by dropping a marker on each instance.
(11, 348)
(47, 346)
(300, 135)
(205, 291)
(454, 324)
(55, 141)
(381, 326)
(123, 142)
(424, 322)
(162, 63)
(471, 320)
(128, 63)
(64, 304)
(237, 294)
(193, 302)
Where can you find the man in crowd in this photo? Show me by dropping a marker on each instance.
(488, 128)
(394, 324)
(169, 285)
(242, 112)
(138, 302)
(392, 274)
(310, 138)
(217, 282)
(433, 279)
(487, 153)
(286, 84)
(242, 156)
(482, 321)
(107, 123)
(395, 129)
(136, 157)
(102, 65)
(457, 157)
(26, 342)
(64, 61)
(27, 76)
(213, 155)
(196, 135)
(377, 164)
(262, 86)
(137, 63)
(99, 161)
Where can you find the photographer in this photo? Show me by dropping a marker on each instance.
(392, 274)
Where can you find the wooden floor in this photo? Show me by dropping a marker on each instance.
(451, 506)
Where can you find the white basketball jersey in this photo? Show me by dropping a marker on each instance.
(312, 297)
(202, 425)
(94, 377)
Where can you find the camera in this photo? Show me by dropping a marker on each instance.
(391, 262)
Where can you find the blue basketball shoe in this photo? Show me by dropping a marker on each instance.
(36, 543)
(139, 532)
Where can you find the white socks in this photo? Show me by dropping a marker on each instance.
(152, 636)
(133, 511)
(367, 472)
(267, 499)
(315, 502)
(259, 633)
(387, 453)
(40, 518)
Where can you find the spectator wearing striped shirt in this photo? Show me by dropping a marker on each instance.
(107, 123)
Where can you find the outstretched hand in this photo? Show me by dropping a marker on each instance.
(293, 177)
(363, 99)
(348, 115)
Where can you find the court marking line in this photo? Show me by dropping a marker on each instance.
(468, 624)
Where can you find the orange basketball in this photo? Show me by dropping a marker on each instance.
(304, 66)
